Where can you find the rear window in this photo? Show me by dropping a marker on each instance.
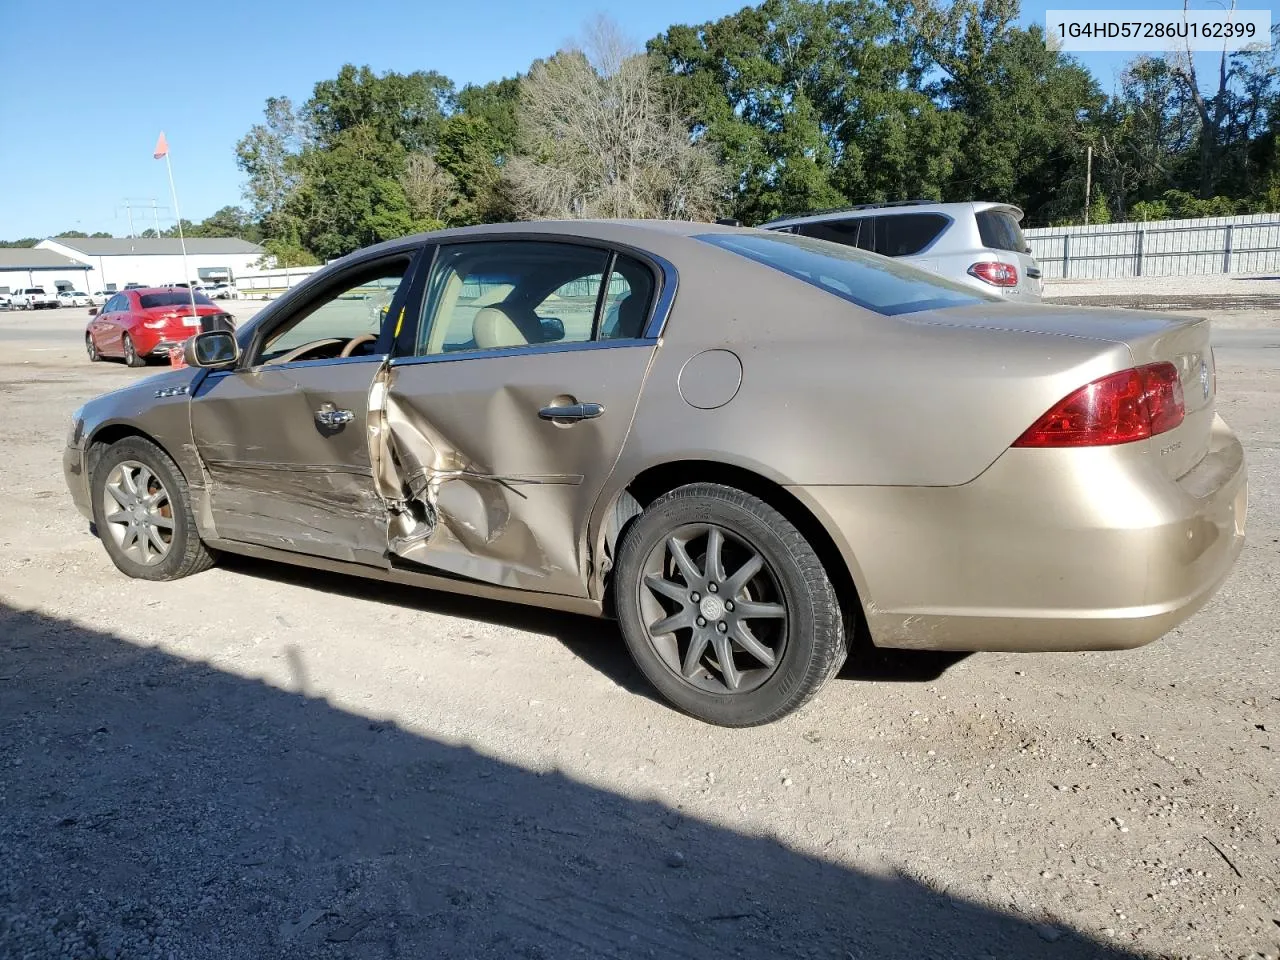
(873, 283)
(175, 299)
(1000, 231)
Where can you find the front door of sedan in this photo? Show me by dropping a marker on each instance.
(107, 324)
(283, 436)
(505, 422)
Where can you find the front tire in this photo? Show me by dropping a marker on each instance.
(131, 357)
(725, 607)
(91, 348)
(142, 510)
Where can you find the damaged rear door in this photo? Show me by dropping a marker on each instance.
(284, 437)
(500, 429)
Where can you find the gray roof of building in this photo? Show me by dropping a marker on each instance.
(32, 258)
(162, 246)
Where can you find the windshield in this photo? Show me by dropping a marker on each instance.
(176, 299)
(872, 282)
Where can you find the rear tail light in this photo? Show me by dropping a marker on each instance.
(1130, 405)
(997, 274)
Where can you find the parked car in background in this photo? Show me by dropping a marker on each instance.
(976, 243)
(99, 297)
(73, 298)
(807, 440)
(222, 291)
(146, 322)
(33, 298)
(6, 301)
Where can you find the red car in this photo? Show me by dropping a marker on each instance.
(146, 321)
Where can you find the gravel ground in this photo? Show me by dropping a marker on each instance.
(261, 761)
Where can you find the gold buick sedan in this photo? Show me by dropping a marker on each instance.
(744, 446)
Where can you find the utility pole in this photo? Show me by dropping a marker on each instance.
(129, 211)
(1088, 181)
(156, 214)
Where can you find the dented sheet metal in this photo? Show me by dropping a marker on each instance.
(479, 485)
(281, 477)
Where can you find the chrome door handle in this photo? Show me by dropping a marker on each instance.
(572, 411)
(334, 418)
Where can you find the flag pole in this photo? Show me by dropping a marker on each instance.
(186, 271)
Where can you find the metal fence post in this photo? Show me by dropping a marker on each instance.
(1142, 237)
(1226, 256)
(1066, 255)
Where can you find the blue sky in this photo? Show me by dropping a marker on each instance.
(94, 83)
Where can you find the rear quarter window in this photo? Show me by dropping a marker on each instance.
(904, 234)
(870, 282)
(1000, 231)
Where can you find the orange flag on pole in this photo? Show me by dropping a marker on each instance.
(162, 146)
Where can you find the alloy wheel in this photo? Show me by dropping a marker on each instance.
(712, 609)
(138, 512)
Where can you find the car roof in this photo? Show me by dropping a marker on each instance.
(901, 206)
(653, 236)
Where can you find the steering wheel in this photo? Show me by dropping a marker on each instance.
(355, 342)
(306, 348)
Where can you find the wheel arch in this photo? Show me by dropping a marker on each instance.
(654, 481)
(110, 433)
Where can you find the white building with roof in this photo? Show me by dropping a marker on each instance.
(22, 267)
(116, 262)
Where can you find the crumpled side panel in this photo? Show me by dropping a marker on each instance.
(335, 513)
(478, 484)
(281, 477)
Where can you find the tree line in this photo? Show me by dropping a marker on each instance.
(786, 106)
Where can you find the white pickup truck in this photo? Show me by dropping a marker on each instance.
(33, 298)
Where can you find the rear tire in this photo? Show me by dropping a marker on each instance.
(131, 353)
(156, 488)
(725, 607)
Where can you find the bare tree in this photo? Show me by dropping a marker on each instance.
(431, 190)
(602, 138)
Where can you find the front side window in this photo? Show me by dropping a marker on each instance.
(496, 295)
(836, 231)
(884, 286)
(342, 321)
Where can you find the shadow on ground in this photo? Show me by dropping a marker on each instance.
(152, 806)
(596, 642)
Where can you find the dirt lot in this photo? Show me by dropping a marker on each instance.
(264, 762)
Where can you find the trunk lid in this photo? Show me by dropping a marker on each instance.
(178, 321)
(1150, 337)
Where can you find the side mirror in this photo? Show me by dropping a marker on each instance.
(552, 329)
(93, 311)
(216, 349)
(1028, 250)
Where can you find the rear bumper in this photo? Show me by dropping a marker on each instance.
(162, 347)
(1047, 550)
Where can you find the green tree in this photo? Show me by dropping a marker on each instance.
(406, 109)
(351, 195)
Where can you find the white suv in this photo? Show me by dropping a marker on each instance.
(976, 243)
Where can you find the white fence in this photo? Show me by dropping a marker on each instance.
(264, 284)
(1165, 248)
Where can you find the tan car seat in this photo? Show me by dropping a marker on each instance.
(505, 325)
